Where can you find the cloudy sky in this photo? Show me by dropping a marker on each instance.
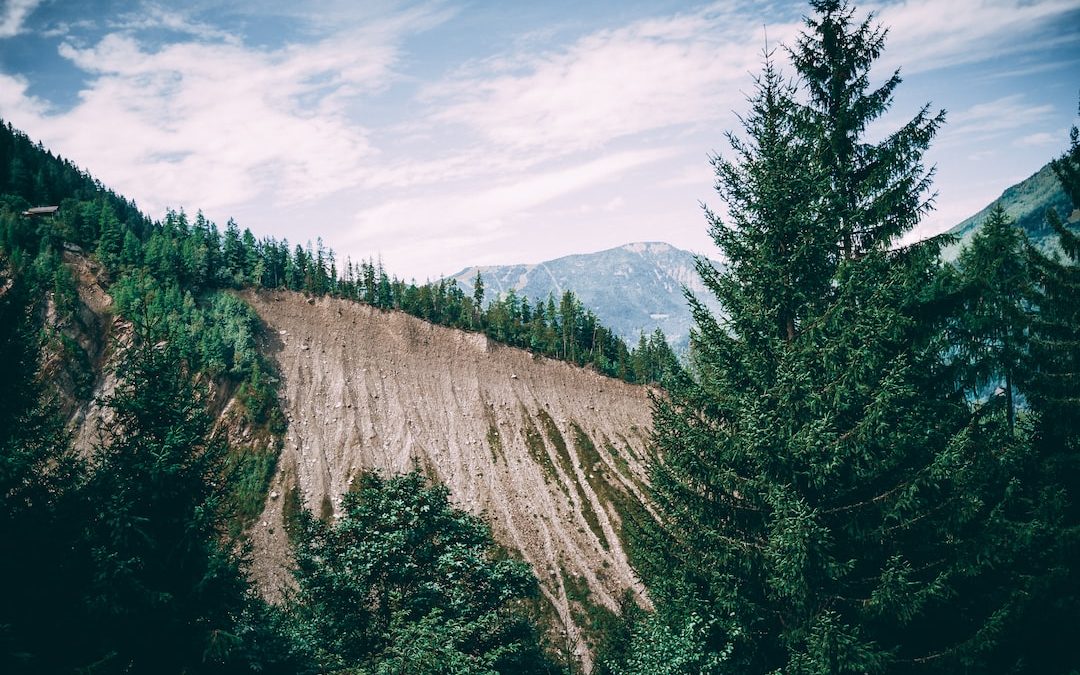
(445, 134)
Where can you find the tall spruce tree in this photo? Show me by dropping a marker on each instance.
(1055, 386)
(876, 191)
(827, 501)
(1048, 602)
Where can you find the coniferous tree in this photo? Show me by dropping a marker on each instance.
(876, 191)
(166, 589)
(1055, 385)
(995, 281)
(43, 567)
(405, 583)
(827, 500)
(1049, 595)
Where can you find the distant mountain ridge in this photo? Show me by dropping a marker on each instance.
(633, 288)
(1026, 203)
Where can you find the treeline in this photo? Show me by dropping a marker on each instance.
(197, 257)
(130, 559)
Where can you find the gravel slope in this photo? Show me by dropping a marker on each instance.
(548, 453)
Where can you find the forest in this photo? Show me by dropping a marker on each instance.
(869, 462)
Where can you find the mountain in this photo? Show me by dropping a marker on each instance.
(638, 287)
(313, 391)
(1026, 203)
(632, 288)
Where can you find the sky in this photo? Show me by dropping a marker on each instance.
(440, 135)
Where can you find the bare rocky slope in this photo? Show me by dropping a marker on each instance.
(550, 454)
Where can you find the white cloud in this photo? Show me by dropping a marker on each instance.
(14, 13)
(1039, 139)
(155, 16)
(651, 75)
(209, 123)
(489, 208)
(991, 118)
(930, 34)
(491, 154)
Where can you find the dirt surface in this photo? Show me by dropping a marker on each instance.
(548, 453)
(94, 333)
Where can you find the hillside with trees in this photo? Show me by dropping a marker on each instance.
(869, 464)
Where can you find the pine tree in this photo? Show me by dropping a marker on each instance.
(876, 190)
(166, 589)
(1055, 386)
(405, 583)
(1048, 595)
(827, 501)
(996, 281)
(43, 566)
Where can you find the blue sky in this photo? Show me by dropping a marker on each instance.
(446, 134)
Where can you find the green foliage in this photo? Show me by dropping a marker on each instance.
(875, 191)
(42, 570)
(404, 581)
(657, 648)
(1047, 491)
(130, 564)
(829, 500)
(251, 470)
(166, 587)
(1055, 364)
(996, 283)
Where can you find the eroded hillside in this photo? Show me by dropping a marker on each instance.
(548, 453)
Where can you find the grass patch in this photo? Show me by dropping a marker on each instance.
(596, 473)
(494, 442)
(250, 469)
(624, 466)
(595, 620)
(538, 451)
(291, 508)
(563, 455)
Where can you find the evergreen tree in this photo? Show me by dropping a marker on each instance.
(166, 589)
(1049, 596)
(827, 501)
(43, 568)
(405, 583)
(876, 191)
(1055, 386)
(996, 281)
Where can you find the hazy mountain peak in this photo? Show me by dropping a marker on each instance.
(633, 288)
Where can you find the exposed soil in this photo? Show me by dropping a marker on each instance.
(548, 453)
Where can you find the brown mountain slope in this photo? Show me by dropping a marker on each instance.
(548, 453)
